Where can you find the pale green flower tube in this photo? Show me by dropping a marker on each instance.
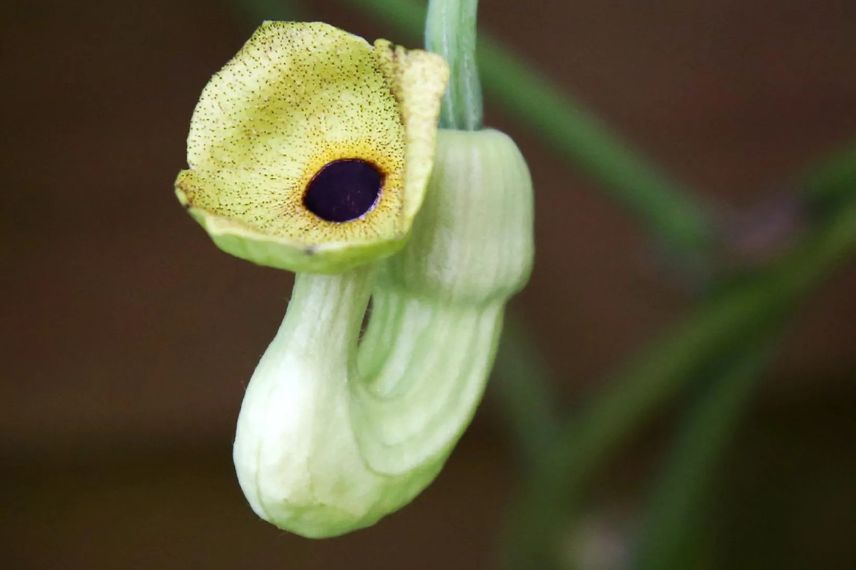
(336, 432)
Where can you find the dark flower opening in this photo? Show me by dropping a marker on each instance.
(344, 190)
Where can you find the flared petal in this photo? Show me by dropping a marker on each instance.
(298, 98)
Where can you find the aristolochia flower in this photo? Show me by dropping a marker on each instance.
(302, 111)
(311, 151)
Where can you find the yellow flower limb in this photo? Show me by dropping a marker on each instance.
(297, 97)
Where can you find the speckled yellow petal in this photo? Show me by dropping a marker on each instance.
(418, 81)
(296, 98)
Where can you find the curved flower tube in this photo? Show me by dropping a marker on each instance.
(337, 430)
(334, 434)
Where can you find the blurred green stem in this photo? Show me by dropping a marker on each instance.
(743, 312)
(522, 383)
(829, 185)
(670, 535)
(671, 532)
(450, 30)
(668, 209)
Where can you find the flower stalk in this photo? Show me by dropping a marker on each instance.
(450, 30)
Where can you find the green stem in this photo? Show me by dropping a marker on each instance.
(668, 209)
(830, 183)
(450, 30)
(522, 387)
(670, 533)
(742, 313)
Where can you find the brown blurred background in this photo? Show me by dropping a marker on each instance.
(128, 337)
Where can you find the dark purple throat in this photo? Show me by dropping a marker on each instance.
(344, 190)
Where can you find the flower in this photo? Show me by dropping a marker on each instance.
(311, 149)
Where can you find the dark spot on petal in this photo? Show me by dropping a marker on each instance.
(344, 190)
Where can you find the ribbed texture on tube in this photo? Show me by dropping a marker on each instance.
(479, 209)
